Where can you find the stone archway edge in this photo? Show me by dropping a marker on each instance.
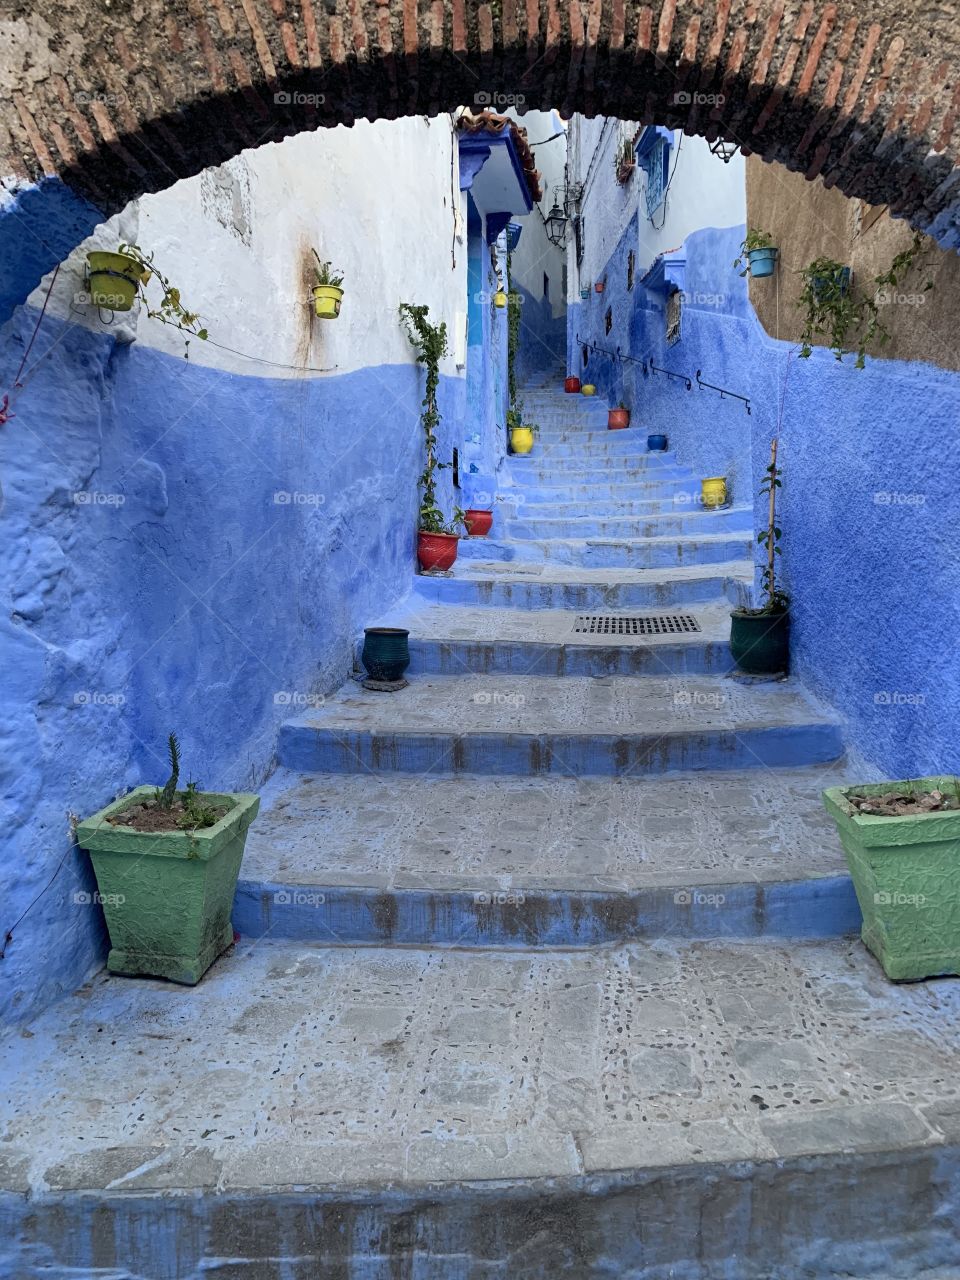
(125, 99)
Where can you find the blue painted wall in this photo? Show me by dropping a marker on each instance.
(234, 536)
(543, 336)
(39, 225)
(870, 506)
(486, 375)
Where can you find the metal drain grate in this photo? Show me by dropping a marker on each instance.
(656, 624)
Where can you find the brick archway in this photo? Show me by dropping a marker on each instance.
(122, 97)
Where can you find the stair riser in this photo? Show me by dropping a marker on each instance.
(615, 447)
(709, 522)
(518, 507)
(599, 556)
(581, 755)
(524, 658)
(489, 917)
(558, 468)
(586, 597)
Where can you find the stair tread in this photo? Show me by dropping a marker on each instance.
(574, 835)
(355, 1066)
(574, 706)
(521, 571)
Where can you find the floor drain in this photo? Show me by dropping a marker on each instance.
(655, 624)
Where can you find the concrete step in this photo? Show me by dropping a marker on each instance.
(589, 525)
(664, 552)
(639, 466)
(578, 726)
(556, 862)
(521, 585)
(513, 503)
(593, 444)
(447, 639)
(601, 482)
(766, 1110)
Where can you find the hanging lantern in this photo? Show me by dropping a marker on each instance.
(555, 224)
(725, 150)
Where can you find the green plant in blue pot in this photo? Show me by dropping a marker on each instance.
(758, 252)
(386, 653)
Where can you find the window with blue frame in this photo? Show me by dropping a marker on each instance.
(653, 149)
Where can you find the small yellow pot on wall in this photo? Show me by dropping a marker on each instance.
(521, 439)
(713, 491)
(500, 298)
(326, 300)
(588, 389)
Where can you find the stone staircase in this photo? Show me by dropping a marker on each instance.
(547, 962)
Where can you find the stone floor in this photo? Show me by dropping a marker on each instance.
(570, 833)
(294, 1065)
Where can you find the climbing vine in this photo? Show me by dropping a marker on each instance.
(849, 321)
(514, 304)
(430, 343)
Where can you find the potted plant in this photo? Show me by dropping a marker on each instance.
(478, 521)
(328, 290)
(571, 385)
(760, 638)
(759, 253)
(713, 491)
(902, 842)
(385, 654)
(585, 293)
(618, 418)
(500, 299)
(656, 443)
(116, 280)
(436, 536)
(626, 161)
(166, 863)
(521, 433)
(600, 286)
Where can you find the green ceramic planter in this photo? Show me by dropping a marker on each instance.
(760, 642)
(168, 895)
(905, 872)
(113, 280)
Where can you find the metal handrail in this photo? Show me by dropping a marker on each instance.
(723, 392)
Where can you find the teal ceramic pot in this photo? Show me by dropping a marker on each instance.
(386, 652)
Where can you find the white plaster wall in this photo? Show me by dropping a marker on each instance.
(704, 192)
(535, 254)
(380, 200)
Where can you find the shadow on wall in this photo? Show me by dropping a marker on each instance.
(543, 337)
(869, 507)
(185, 549)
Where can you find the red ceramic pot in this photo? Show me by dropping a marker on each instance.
(617, 419)
(436, 550)
(478, 522)
(571, 385)
(600, 286)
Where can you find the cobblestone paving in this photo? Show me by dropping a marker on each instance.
(303, 1065)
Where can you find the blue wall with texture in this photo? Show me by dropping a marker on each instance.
(869, 509)
(184, 549)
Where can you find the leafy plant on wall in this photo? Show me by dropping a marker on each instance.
(849, 321)
(430, 343)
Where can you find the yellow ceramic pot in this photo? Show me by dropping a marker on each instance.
(326, 300)
(500, 298)
(713, 491)
(113, 280)
(521, 439)
(588, 389)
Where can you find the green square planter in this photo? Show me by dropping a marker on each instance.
(906, 872)
(168, 895)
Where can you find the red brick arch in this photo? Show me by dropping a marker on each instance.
(119, 97)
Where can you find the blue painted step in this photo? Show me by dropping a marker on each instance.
(636, 590)
(641, 553)
(659, 525)
(580, 727)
